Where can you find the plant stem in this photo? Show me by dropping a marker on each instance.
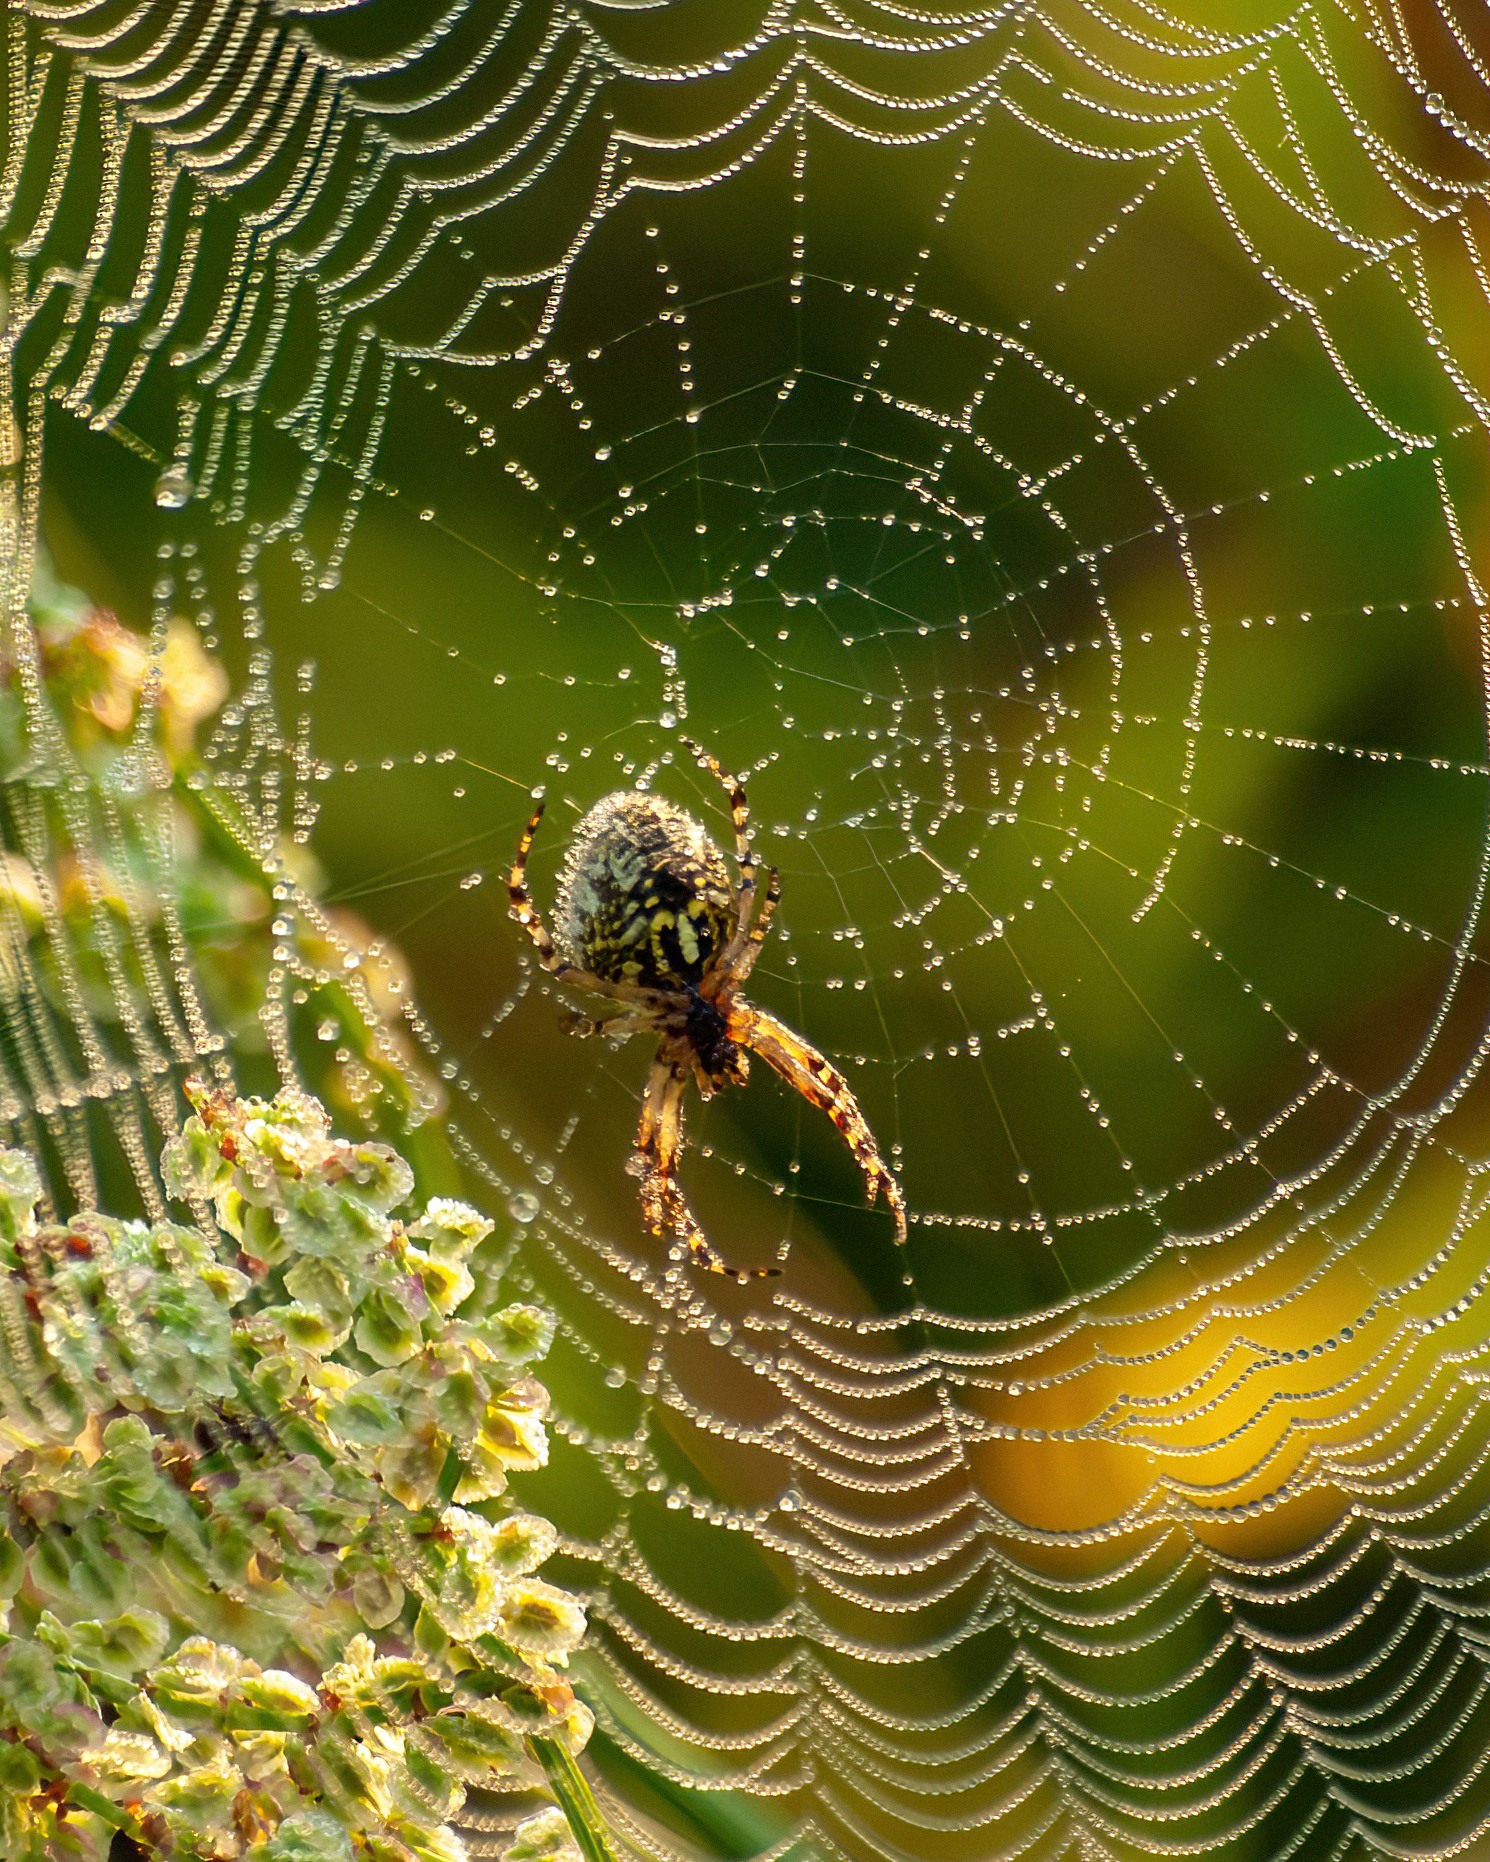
(577, 1801)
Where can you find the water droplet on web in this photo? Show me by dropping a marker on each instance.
(523, 1206)
(174, 488)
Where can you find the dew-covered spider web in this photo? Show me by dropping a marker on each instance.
(1045, 450)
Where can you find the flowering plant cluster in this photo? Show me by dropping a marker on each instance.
(260, 1592)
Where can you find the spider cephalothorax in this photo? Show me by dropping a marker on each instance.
(648, 916)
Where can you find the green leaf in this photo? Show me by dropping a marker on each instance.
(308, 1836)
(124, 1644)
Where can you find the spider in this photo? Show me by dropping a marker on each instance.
(648, 916)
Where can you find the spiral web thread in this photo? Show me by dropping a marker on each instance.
(1001, 431)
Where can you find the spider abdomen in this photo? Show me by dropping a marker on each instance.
(645, 896)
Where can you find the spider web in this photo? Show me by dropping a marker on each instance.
(1043, 449)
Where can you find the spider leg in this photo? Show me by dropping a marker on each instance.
(528, 916)
(522, 907)
(739, 809)
(821, 1084)
(741, 963)
(614, 1027)
(659, 1143)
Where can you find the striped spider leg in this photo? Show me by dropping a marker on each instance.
(654, 1162)
(819, 1082)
